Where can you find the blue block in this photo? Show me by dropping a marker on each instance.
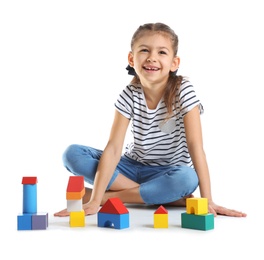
(29, 198)
(199, 222)
(117, 221)
(24, 222)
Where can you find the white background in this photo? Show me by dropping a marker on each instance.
(62, 66)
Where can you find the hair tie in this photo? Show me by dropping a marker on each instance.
(175, 72)
(131, 70)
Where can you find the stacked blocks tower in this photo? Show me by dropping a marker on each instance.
(30, 219)
(196, 215)
(113, 214)
(74, 194)
(161, 219)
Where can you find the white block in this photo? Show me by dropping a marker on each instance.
(74, 205)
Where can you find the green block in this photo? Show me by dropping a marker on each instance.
(200, 222)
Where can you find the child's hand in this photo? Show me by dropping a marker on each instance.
(91, 208)
(62, 213)
(219, 210)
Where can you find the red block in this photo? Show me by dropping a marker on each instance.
(75, 188)
(29, 180)
(114, 206)
(161, 210)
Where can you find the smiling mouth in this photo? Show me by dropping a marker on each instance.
(151, 69)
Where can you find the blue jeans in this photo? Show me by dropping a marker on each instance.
(158, 184)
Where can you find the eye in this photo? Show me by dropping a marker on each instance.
(163, 52)
(144, 50)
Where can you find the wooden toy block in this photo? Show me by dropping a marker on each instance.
(117, 221)
(114, 206)
(74, 205)
(75, 189)
(29, 195)
(30, 219)
(39, 221)
(29, 180)
(113, 214)
(199, 222)
(24, 222)
(77, 219)
(75, 195)
(197, 206)
(161, 219)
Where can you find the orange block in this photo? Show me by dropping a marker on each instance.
(75, 189)
(75, 195)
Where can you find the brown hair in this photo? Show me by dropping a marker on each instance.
(174, 80)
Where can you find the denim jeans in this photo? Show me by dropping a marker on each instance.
(158, 184)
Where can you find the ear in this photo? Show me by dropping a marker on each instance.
(130, 59)
(175, 63)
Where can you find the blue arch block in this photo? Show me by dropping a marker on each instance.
(117, 221)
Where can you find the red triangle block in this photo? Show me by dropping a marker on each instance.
(161, 210)
(114, 206)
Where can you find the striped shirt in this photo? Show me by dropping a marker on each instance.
(156, 142)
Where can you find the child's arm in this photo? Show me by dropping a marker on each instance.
(194, 138)
(108, 162)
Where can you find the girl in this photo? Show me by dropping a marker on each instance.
(166, 161)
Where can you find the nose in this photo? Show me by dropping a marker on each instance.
(151, 57)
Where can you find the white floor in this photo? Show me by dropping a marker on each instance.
(231, 238)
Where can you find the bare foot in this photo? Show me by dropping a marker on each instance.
(181, 202)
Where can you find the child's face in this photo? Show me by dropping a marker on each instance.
(153, 58)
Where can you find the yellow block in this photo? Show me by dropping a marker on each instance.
(77, 219)
(161, 221)
(197, 206)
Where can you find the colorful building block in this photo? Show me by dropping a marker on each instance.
(113, 214)
(199, 222)
(117, 221)
(196, 215)
(74, 193)
(77, 218)
(75, 188)
(29, 195)
(161, 219)
(114, 206)
(24, 222)
(197, 206)
(30, 219)
(39, 221)
(74, 205)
